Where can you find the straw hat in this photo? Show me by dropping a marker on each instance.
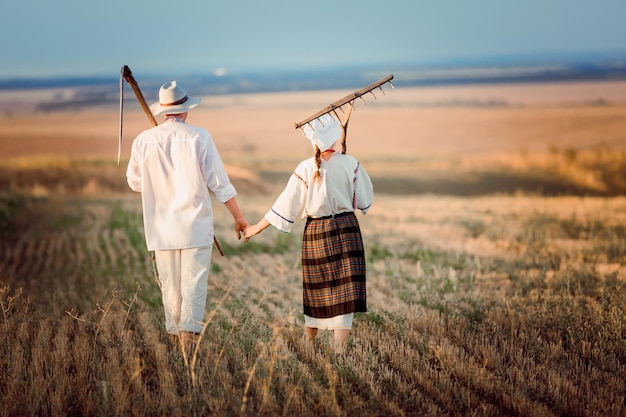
(173, 100)
(323, 131)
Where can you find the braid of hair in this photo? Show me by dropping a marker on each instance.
(318, 162)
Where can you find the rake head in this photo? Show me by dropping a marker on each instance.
(348, 100)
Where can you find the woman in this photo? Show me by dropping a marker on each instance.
(326, 190)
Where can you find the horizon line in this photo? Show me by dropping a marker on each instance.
(501, 60)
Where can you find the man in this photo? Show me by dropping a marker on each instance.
(173, 166)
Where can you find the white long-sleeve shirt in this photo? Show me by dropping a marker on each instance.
(345, 186)
(173, 166)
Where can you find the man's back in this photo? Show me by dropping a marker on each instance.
(172, 165)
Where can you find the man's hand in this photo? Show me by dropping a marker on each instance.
(240, 226)
(240, 222)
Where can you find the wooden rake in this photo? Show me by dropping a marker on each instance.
(347, 100)
(126, 74)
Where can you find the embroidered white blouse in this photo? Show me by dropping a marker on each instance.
(345, 186)
(173, 166)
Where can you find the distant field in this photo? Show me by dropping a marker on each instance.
(532, 138)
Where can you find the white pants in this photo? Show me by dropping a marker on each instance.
(184, 275)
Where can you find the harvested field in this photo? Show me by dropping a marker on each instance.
(496, 268)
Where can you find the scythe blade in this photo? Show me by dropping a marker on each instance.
(119, 143)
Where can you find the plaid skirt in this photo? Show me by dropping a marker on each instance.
(333, 266)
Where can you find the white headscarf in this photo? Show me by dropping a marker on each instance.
(323, 131)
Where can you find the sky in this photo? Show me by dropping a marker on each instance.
(49, 38)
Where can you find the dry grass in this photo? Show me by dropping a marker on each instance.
(485, 306)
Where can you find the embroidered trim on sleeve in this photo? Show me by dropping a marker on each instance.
(284, 218)
(301, 180)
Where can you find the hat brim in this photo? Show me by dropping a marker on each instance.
(157, 109)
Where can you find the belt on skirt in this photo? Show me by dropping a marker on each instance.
(332, 216)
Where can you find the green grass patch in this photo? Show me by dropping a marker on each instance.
(10, 203)
(283, 243)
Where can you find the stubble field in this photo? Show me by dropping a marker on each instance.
(496, 254)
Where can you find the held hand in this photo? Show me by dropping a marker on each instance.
(240, 221)
(240, 226)
(255, 229)
(248, 233)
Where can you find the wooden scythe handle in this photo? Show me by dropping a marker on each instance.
(130, 79)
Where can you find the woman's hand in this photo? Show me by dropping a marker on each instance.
(255, 229)
(249, 232)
